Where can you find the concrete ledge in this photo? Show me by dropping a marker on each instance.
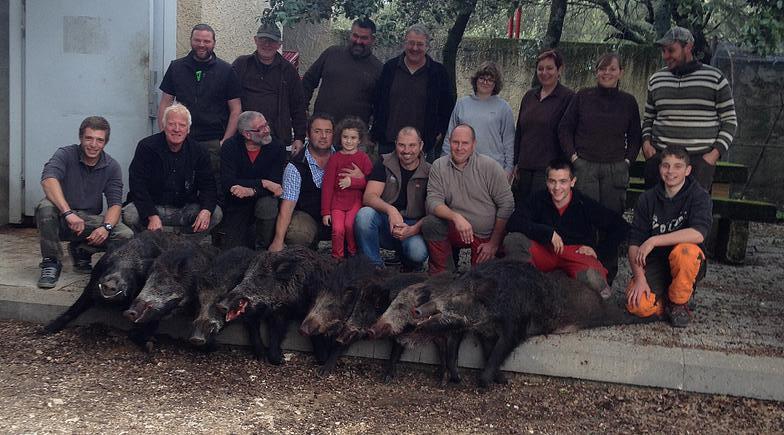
(570, 355)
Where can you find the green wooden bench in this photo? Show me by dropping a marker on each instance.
(730, 232)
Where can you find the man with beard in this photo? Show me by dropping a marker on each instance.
(170, 180)
(689, 104)
(271, 85)
(394, 202)
(348, 75)
(208, 87)
(252, 165)
(299, 219)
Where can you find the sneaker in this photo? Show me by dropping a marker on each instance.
(50, 272)
(679, 315)
(393, 260)
(81, 259)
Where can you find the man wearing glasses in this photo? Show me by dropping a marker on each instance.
(271, 85)
(252, 165)
(414, 90)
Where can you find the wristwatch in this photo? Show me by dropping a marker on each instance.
(108, 227)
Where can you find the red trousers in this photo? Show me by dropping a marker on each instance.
(545, 259)
(441, 250)
(343, 231)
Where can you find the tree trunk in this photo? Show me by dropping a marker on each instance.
(662, 14)
(453, 39)
(555, 24)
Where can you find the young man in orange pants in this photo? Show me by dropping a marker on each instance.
(666, 255)
(562, 223)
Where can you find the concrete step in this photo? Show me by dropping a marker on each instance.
(575, 355)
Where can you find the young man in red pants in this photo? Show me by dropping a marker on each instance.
(666, 255)
(562, 225)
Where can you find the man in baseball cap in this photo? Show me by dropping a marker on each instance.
(688, 104)
(272, 87)
(676, 34)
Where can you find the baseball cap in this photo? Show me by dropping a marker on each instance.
(677, 33)
(269, 29)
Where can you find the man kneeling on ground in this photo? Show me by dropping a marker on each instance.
(666, 256)
(562, 224)
(395, 204)
(74, 180)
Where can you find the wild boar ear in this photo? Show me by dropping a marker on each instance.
(423, 296)
(284, 269)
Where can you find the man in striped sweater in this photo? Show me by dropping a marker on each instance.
(688, 104)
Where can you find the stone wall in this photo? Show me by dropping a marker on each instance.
(758, 89)
(234, 23)
(516, 58)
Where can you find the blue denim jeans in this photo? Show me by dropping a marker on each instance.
(371, 229)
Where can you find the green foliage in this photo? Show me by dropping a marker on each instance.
(764, 30)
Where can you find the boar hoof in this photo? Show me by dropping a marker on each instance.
(275, 359)
(323, 371)
(388, 377)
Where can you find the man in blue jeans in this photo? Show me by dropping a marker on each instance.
(394, 202)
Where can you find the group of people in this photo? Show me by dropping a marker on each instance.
(450, 174)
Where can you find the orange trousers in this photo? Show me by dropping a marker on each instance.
(684, 266)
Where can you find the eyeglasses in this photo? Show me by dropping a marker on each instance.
(486, 79)
(253, 131)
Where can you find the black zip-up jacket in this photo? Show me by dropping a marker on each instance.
(656, 214)
(538, 218)
(237, 169)
(205, 89)
(150, 169)
(440, 101)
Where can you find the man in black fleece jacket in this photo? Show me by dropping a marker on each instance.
(666, 255)
(252, 165)
(562, 224)
(170, 179)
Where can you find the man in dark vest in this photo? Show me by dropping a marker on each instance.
(299, 215)
(395, 204)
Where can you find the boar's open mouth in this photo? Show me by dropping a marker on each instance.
(427, 314)
(234, 313)
(110, 293)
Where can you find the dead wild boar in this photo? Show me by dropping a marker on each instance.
(171, 286)
(504, 302)
(225, 272)
(398, 322)
(118, 276)
(334, 303)
(280, 287)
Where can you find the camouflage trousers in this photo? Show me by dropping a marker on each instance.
(53, 229)
(176, 219)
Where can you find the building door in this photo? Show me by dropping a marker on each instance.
(89, 57)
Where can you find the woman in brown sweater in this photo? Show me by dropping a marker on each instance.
(536, 136)
(600, 133)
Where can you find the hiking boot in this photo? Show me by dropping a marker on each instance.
(50, 272)
(81, 259)
(679, 315)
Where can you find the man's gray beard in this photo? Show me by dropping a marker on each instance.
(266, 140)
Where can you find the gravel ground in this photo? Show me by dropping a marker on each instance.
(91, 379)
